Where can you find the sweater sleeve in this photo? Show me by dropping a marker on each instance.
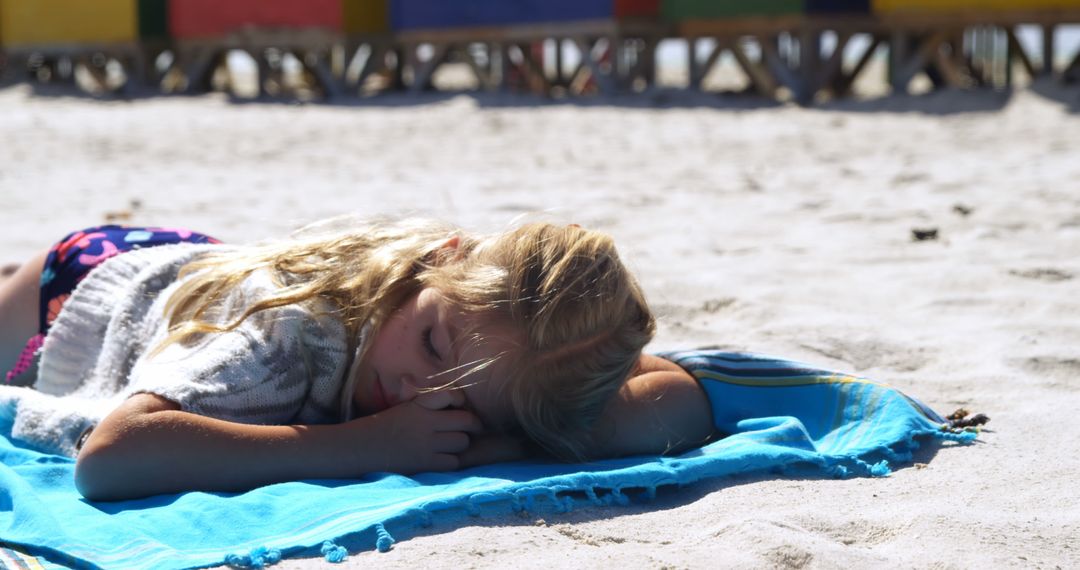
(282, 365)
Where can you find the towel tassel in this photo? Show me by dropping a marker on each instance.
(333, 553)
(384, 540)
(590, 492)
(259, 557)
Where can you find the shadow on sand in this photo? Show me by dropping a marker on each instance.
(666, 498)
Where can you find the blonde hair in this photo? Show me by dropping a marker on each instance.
(579, 318)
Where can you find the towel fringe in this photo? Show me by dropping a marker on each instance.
(384, 540)
(845, 467)
(967, 435)
(333, 553)
(259, 557)
(618, 496)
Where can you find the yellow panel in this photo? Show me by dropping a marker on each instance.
(366, 16)
(44, 22)
(953, 5)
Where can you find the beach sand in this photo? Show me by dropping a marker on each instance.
(752, 226)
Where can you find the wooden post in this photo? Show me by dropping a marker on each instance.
(397, 75)
(483, 76)
(832, 72)
(320, 69)
(423, 72)
(1017, 50)
(533, 71)
(848, 80)
(648, 67)
(929, 51)
(898, 54)
(710, 62)
(1048, 49)
(560, 75)
(501, 66)
(809, 70)
(1071, 72)
(375, 62)
(200, 68)
(776, 64)
(759, 77)
(263, 71)
(96, 72)
(694, 79)
(593, 63)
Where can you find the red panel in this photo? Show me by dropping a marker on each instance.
(632, 8)
(213, 18)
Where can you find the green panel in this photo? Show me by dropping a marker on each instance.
(678, 10)
(153, 19)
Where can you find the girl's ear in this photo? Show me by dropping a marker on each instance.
(450, 250)
(452, 243)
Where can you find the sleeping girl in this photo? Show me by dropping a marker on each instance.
(166, 361)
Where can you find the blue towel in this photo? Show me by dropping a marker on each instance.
(778, 416)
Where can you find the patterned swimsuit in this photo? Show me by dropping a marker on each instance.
(72, 258)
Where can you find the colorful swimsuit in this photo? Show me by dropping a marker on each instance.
(72, 258)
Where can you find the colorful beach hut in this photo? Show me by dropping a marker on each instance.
(615, 40)
(72, 31)
(787, 35)
(205, 30)
(965, 42)
(49, 25)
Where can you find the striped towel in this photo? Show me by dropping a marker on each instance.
(778, 416)
(15, 559)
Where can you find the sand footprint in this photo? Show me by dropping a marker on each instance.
(862, 354)
(1048, 274)
(1061, 372)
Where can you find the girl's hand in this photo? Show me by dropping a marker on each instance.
(492, 448)
(424, 434)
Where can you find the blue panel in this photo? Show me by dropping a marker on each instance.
(442, 14)
(838, 6)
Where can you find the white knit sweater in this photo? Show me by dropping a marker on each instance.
(280, 366)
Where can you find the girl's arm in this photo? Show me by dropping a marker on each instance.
(148, 446)
(660, 410)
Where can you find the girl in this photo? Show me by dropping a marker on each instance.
(392, 346)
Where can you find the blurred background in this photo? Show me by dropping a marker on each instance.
(805, 51)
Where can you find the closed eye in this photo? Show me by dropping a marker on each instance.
(429, 346)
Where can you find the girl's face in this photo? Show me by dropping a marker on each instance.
(422, 346)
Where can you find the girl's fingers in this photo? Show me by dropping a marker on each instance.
(456, 397)
(458, 420)
(450, 442)
(492, 449)
(441, 399)
(445, 462)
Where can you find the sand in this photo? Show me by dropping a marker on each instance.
(752, 226)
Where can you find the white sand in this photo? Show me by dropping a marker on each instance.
(772, 229)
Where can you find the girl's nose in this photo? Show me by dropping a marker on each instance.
(409, 388)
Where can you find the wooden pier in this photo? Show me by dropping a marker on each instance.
(800, 50)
